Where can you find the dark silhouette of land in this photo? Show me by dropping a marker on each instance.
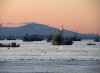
(12, 33)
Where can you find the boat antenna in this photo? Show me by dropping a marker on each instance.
(61, 30)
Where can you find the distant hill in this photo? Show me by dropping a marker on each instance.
(29, 28)
(33, 28)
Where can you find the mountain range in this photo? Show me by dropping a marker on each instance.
(35, 28)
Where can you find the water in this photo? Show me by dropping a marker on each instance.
(43, 57)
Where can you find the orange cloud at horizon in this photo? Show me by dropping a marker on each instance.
(77, 15)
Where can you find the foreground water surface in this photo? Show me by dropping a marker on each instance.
(43, 57)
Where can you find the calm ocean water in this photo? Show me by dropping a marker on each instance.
(43, 57)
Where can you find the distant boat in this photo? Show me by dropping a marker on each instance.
(90, 43)
(97, 39)
(31, 38)
(57, 38)
(11, 38)
(2, 38)
(49, 39)
(75, 37)
(10, 45)
(28, 38)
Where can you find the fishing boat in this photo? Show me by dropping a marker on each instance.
(28, 38)
(31, 38)
(58, 40)
(11, 38)
(13, 44)
(90, 43)
(97, 39)
(1, 37)
(75, 37)
(49, 39)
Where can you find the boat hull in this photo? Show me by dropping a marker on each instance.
(62, 43)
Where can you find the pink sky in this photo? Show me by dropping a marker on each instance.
(76, 15)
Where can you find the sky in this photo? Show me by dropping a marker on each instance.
(75, 15)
